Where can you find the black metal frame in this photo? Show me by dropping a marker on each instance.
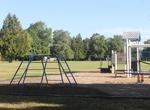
(61, 68)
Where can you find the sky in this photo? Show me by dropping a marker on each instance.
(106, 17)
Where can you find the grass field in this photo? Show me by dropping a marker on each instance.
(70, 103)
(7, 69)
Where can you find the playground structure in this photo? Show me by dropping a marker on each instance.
(131, 40)
(63, 68)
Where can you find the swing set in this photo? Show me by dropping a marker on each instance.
(62, 65)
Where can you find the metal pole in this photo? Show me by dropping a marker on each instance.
(112, 60)
(115, 60)
(127, 59)
(130, 60)
(125, 56)
(138, 59)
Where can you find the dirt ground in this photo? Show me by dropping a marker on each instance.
(107, 78)
(105, 83)
(90, 78)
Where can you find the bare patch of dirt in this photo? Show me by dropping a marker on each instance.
(94, 84)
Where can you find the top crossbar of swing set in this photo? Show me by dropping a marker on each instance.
(41, 57)
(37, 57)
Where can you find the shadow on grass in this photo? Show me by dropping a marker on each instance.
(53, 97)
(31, 108)
(81, 97)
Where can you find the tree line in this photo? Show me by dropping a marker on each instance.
(38, 38)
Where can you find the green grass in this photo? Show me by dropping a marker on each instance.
(7, 69)
(70, 103)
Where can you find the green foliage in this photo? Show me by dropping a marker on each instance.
(98, 46)
(86, 43)
(62, 43)
(41, 36)
(24, 44)
(116, 43)
(13, 39)
(78, 47)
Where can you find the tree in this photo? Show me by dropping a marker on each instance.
(117, 43)
(87, 50)
(78, 48)
(62, 43)
(98, 46)
(41, 36)
(109, 46)
(14, 40)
